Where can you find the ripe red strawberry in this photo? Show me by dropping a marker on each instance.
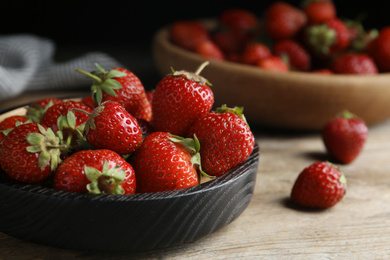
(298, 57)
(10, 123)
(36, 110)
(238, 20)
(225, 139)
(273, 63)
(122, 86)
(228, 41)
(30, 153)
(328, 38)
(179, 99)
(95, 171)
(164, 163)
(379, 49)
(58, 117)
(354, 63)
(254, 52)
(111, 127)
(88, 100)
(210, 50)
(320, 185)
(283, 21)
(319, 11)
(344, 136)
(188, 34)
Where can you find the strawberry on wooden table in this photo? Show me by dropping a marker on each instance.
(122, 86)
(95, 171)
(165, 162)
(110, 126)
(321, 185)
(179, 99)
(30, 153)
(344, 136)
(225, 139)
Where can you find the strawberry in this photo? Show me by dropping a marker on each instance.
(179, 99)
(379, 49)
(298, 57)
(321, 185)
(228, 41)
(164, 163)
(36, 110)
(30, 153)
(354, 63)
(225, 139)
(88, 100)
(344, 136)
(95, 171)
(283, 21)
(255, 52)
(273, 63)
(10, 123)
(328, 38)
(122, 86)
(210, 50)
(319, 11)
(64, 117)
(188, 34)
(238, 20)
(110, 126)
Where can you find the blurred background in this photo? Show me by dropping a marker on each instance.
(125, 29)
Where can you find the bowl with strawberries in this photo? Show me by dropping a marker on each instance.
(123, 169)
(290, 67)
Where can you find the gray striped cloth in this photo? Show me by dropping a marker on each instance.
(26, 63)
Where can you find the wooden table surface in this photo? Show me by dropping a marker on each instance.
(270, 228)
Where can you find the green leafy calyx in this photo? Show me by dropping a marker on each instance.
(103, 81)
(107, 181)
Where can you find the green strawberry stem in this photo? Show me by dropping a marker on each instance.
(193, 76)
(201, 67)
(90, 75)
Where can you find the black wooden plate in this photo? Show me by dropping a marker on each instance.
(134, 222)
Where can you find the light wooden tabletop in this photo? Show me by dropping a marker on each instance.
(270, 228)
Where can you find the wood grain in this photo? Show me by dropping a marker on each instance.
(271, 228)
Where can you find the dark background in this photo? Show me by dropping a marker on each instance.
(125, 29)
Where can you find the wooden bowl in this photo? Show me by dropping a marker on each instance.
(132, 222)
(293, 100)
